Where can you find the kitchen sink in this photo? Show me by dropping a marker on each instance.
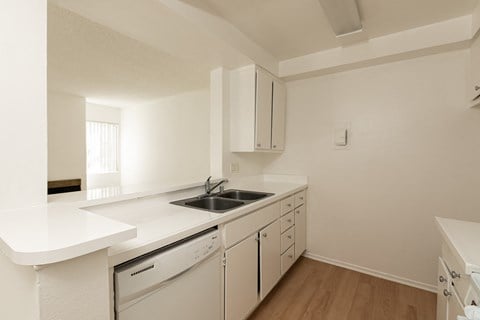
(214, 204)
(243, 195)
(223, 201)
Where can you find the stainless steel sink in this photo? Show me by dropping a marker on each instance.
(222, 202)
(214, 204)
(243, 195)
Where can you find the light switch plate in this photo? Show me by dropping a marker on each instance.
(342, 138)
(234, 167)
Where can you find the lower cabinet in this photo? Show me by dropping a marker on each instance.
(300, 231)
(241, 278)
(269, 257)
(260, 248)
(443, 291)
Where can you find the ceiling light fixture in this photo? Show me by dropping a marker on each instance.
(343, 16)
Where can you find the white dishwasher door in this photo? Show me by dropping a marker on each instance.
(184, 283)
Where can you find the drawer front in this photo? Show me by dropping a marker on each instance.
(287, 204)
(241, 228)
(287, 239)
(287, 221)
(288, 258)
(460, 280)
(299, 198)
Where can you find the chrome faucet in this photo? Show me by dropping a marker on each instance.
(209, 188)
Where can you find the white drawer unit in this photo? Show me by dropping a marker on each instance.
(287, 204)
(299, 198)
(288, 258)
(300, 231)
(287, 239)
(287, 221)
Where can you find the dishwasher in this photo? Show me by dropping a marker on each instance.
(179, 282)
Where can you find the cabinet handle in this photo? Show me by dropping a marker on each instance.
(289, 237)
(298, 211)
(290, 256)
(477, 88)
(301, 198)
(264, 234)
(289, 220)
(442, 279)
(289, 204)
(446, 293)
(259, 145)
(455, 275)
(274, 146)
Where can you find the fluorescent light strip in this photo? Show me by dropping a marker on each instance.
(343, 16)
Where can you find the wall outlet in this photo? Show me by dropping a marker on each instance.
(234, 167)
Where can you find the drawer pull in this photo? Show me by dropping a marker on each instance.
(442, 279)
(301, 198)
(264, 235)
(289, 236)
(259, 145)
(274, 146)
(455, 275)
(477, 88)
(290, 256)
(298, 211)
(446, 293)
(289, 204)
(289, 220)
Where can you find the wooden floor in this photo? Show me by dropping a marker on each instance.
(315, 290)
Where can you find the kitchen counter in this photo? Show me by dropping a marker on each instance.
(160, 223)
(130, 221)
(463, 238)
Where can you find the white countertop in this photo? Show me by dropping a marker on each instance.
(130, 221)
(160, 223)
(463, 237)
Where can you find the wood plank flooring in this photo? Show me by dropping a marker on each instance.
(315, 290)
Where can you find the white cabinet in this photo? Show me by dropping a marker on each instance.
(241, 279)
(269, 257)
(257, 110)
(278, 115)
(474, 87)
(300, 231)
(443, 291)
(263, 111)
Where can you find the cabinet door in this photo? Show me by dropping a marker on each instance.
(455, 307)
(263, 111)
(474, 90)
(241, 279)
(269, 257)
(300, 231)
(443, 284)
(278, 115)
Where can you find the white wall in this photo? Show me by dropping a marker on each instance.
(66, 137)
(414, 154)
(23, 114)
(167, 141)
(101, 113)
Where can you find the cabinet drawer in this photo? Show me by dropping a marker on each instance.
(460, 280)
(287, 239)
(288, 258)
(299, 198)
(287, 205)
(243, 227)
(287, 221)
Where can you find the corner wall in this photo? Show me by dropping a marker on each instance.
(414, 155)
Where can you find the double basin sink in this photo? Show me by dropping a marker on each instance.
(223, 201)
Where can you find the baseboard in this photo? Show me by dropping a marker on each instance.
(374, 273)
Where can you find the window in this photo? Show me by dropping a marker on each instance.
(102, 147)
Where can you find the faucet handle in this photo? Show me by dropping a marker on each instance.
(208, 179)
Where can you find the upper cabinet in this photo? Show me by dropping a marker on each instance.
(474, 90)
(257, 111)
